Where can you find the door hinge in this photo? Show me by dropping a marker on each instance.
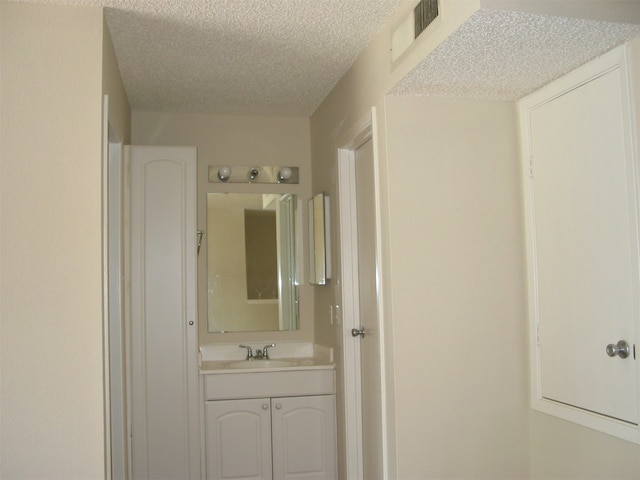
(531, 166)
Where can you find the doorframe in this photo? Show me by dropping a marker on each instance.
(115, 400)
(364, 130)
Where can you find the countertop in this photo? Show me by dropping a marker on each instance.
(222, 367)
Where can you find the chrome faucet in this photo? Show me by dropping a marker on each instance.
(249, 352)
(265, 351)
(260, 354)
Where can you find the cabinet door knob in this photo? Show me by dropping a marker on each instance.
(265, 406)
(278, 406)
(620, 349)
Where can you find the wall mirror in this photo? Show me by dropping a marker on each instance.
(319, 252)
(252, 264)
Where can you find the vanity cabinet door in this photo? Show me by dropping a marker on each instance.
(304, 437)
(238, 439)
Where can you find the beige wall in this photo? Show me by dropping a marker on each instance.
(349, 103)
(458, 289)
(364, 86)
(351, 100)
(237, 140)
(50, 232)
(471, 405)
(561, 449)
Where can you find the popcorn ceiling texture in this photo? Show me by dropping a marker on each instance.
(282, 57)
(504, 56)
(269, 57)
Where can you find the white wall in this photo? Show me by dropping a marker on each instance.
(458, 289)
(237, 140)
(51, 242)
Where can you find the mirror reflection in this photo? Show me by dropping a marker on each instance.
(251, 262)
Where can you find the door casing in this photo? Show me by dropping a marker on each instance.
(351, 366)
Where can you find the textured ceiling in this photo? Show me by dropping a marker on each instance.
(502, 55)
(282, 57)
(273, 57)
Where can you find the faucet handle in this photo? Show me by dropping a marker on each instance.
(249, 351)
(265, 351)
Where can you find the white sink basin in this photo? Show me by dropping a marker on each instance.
(260, 364)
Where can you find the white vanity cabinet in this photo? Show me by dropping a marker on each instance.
(270, 437)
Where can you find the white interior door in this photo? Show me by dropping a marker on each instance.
(165, 438)
(586, 248)
(115, 332)
(370, 348)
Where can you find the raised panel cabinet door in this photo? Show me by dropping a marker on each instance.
(238, 439)
(585, 247)
(165, 436)
(304, 438)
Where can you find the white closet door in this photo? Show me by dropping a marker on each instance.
(163, 351)
(585, 239)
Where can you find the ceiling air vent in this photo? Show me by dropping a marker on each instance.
(424, 13)
(413, 25)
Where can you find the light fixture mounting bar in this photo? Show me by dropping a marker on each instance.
(253, 174)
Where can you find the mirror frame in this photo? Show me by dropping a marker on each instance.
(227, 293)
(305, 333)
(319, 240)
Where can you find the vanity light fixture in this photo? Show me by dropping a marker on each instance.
(285, 174)
(253, 174)
(224, 173)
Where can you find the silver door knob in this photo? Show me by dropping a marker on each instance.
(355, 332)
(620, 349)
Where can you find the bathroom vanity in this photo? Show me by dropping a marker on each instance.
(269, 419)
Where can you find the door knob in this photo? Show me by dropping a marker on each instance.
(355, 332)
(621, 349)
